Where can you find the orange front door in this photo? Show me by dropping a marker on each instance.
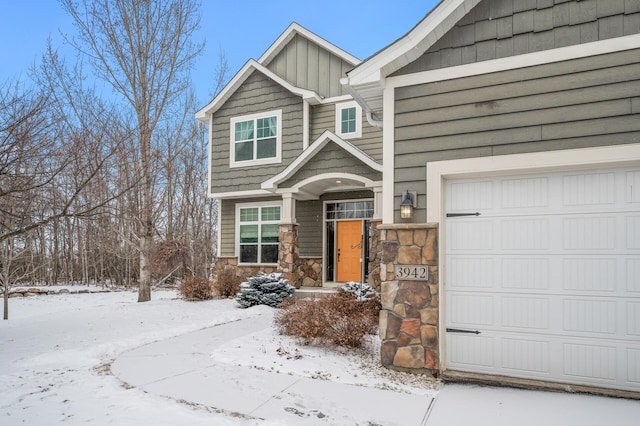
(349, 251)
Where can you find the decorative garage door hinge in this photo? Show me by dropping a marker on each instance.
(458, 330)
(462, 214)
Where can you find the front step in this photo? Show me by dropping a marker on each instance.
(314, 292)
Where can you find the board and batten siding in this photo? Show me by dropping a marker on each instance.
(323, 117)
(305, 64)
(580, 103)
(502, 28)
(258, 94)
(228, 222)
(332, 158)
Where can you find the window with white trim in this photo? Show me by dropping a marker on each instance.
(256, 139)
(258, 234)
(349, 120)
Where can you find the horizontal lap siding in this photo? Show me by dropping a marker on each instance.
(323, 117)
(309, 218)
(257, 94)
(575, 104)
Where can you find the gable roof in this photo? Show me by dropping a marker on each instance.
(366, 81)
(242, 75)
(261, 66)
(326, 137)
(295, 28)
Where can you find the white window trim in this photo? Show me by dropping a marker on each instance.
(232, 149)
(237, 233)
(339, 108)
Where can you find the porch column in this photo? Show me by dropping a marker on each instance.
(377, 203)
(409, 296)
(288, 208)
(288, 250)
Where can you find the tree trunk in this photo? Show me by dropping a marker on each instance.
(144, 283)
(6, 302)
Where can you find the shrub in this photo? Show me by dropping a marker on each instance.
(196, 288)
(339, 319)
(226, 284)
(264, 289)
(360, 291)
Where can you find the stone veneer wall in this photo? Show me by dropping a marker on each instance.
(310, 271)
(409, 316)
(288, 254)
(242, 272)
(374, 256)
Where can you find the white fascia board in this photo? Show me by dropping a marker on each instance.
(241, 194)
(242, 75)
(408, 47)
(315, 147)
(560, 54)
(296, 28)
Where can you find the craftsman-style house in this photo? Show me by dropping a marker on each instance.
(295, 164)
(483, 172)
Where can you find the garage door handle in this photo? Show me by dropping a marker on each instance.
(458, 330)
(462, 214)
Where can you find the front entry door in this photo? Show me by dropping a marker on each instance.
(349, 251)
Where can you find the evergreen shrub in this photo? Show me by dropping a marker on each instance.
(264, 289)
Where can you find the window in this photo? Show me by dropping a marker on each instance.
(349, 120)
(256, 139)
(361, 209)
(258, 229)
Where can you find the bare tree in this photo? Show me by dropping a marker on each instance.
(50, 159)
(143, 49)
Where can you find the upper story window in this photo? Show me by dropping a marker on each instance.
(256, 139)
(349, 120)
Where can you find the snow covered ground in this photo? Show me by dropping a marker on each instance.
(56, 351)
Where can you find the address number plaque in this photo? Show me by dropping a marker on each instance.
(412, 272)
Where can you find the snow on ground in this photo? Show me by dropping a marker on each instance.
(55, 353)
(282, 354)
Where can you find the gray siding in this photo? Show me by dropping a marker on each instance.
(331, 158)
(257, 94)
(502, 28)
(228, 223)
(580, 103)
(323, 117)
(309, 218)
(305, 64)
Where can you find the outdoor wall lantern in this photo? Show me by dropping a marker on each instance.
(409, 202)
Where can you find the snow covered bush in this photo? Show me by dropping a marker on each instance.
(196, 288)
(339, 319)
(360, 291)
(264, 289)
(226, 284)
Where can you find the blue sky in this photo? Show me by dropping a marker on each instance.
(243, 29)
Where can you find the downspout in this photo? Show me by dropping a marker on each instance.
(372, 120)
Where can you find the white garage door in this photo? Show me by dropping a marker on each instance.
(545, 282)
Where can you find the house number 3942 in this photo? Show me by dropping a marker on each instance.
(412, 272)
